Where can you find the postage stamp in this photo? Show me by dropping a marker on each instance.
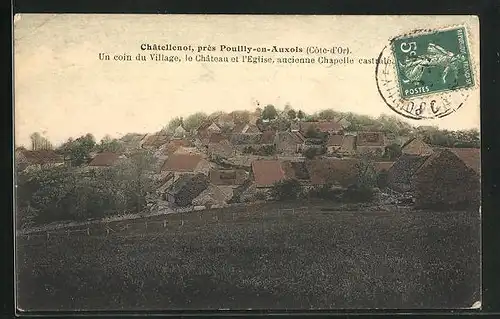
(430, 73)
(435, 62)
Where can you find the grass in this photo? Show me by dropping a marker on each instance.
(316, 259)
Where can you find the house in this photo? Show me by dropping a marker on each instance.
(416, 146)
(212, 196)
(154, 140)
(297, 170)
(172, 146)
(206, 129)
(228, 176)
(132, 141)
(220, 149)
(267, 172)
(225, 120)
(181, 164)
(186, 188)
(448, 177)
(370, 142)
(344, 123)
(180, 132)
(243, 128)
(338, 171)
(334, 144)
(400, 174)
(288, 142)
(348, 146)
(37, 159)
(105, 159)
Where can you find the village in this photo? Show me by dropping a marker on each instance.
(226, 160)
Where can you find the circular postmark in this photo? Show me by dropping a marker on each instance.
(426, 74)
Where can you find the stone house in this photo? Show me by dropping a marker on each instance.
(370, 142)
(228, 177)
(154, 140)
(342, 172)
(186, 188)
(267, 172)
(449, 177)
(212, 196)
(181, 164)
(206, 129)
(105, 159)
(26, 159)
(400, 174)
(288, 143)
(220, 149)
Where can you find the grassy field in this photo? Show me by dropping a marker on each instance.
(315, 259)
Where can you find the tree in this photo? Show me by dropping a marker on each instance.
(135, 174)
(174, 123)
(109, 144)
(301, 115)
(328, 115)
(286, 190)
(39, 142)
(311, 132)
(392, 151)
(292, 115)
(310, 152)
(241, 117)
(78, 151)
(269, 112)
(193, 121)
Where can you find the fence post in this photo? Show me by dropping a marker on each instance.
(88, 231)
(48, 235)
(146, 225)
(107, 230)
(164, 223)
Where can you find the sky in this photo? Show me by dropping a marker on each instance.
(62, 89)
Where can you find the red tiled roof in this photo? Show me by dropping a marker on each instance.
(104, 159)
(267, 172)
(181, 162)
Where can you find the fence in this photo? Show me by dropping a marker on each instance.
(173, 221)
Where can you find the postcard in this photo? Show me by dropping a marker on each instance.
(229, 162)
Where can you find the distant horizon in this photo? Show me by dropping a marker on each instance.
(98, 138)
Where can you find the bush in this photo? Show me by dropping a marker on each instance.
(286, 190)
(358, 194)
(382, 179)
(327, 192)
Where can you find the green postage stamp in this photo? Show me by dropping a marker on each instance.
(433, 62)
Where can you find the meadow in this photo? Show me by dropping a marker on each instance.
(260, 257)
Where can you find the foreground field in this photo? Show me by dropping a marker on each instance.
(310, 259)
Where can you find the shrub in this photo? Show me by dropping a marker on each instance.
(382, 179)
(286, 190)
(358, 194)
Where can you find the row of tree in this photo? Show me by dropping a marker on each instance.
(65, 193)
